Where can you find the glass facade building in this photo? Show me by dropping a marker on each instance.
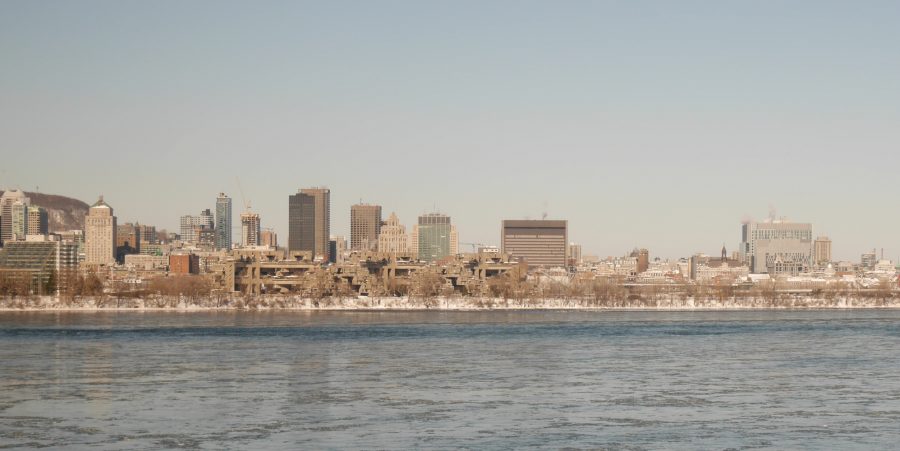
(223, 222)
(434, 231)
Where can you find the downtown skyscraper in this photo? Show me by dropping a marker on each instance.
(434, 237)
(7, 201)
(309, 222)
(365, 226)
(100, 235)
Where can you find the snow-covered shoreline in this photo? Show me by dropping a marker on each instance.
(276, 303)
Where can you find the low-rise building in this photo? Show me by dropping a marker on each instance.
(184, 264)
(43, 262)
(145, 262)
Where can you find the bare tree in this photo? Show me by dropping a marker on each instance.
(427, 284)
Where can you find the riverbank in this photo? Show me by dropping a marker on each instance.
(49, 303)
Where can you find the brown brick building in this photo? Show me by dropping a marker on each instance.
(184, 264)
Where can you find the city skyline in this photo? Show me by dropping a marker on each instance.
(772, 217)
(659, 130)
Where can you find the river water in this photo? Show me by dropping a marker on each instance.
(485, 380)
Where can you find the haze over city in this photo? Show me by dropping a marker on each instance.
(660, 125)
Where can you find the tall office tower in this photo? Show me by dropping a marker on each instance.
(38, 221)
(823, 250)
(777, 246)
(100, 235)
(539, 242)
(190, 225)
(9, 198)
(223, 222)
(435, 237)
(250, 230)
(268, 237)
(393, 237)
(322, 220)
(301, 223)
(365, 225)
(19, 221)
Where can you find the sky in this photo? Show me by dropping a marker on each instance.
(652, 124)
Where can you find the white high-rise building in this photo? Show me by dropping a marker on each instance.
(777, 247)
(822, 250)
(393, 237)
(250, 229)
(223, 222)
(190, 225)
(19, 219)
(100, 235)
(10, 198)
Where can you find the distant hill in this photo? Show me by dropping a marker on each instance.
(64, 212)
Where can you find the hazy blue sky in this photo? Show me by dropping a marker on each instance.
(655, 124)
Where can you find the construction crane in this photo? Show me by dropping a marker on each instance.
(475, 246)
(243, 198)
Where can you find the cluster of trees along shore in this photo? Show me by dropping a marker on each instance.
(429, 289)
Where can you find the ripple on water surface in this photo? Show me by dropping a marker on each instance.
(626, 380)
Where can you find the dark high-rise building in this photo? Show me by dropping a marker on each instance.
(309, 222)
(332, 251)
(538, 242)
(301, 223)
(365, 226)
